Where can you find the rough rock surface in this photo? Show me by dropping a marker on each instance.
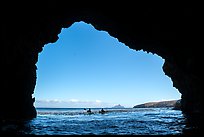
(170, 31)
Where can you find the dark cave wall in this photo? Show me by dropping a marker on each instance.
(168, 31)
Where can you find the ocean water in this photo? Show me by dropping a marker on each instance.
(127, 121)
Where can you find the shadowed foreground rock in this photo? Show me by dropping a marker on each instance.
(169, 31)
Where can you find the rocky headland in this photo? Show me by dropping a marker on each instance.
(160, 104)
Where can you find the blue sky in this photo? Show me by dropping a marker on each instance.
(89, 68)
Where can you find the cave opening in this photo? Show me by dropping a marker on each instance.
(89, 68)
(166, 31)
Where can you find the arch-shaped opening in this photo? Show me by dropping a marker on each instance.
(168, 31)
(87, 62)
(86, 68)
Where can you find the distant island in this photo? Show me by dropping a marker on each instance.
(161, 104)
(118, 106)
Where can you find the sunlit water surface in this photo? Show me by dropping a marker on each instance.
(128, 121)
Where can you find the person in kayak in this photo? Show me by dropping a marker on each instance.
(102, 111)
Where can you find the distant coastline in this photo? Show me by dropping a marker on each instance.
(176, 104)
(118, 106)
(161, 104)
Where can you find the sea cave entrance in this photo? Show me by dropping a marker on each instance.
(89, 68)
(155, 29)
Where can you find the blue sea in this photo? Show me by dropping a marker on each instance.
(126, 121)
